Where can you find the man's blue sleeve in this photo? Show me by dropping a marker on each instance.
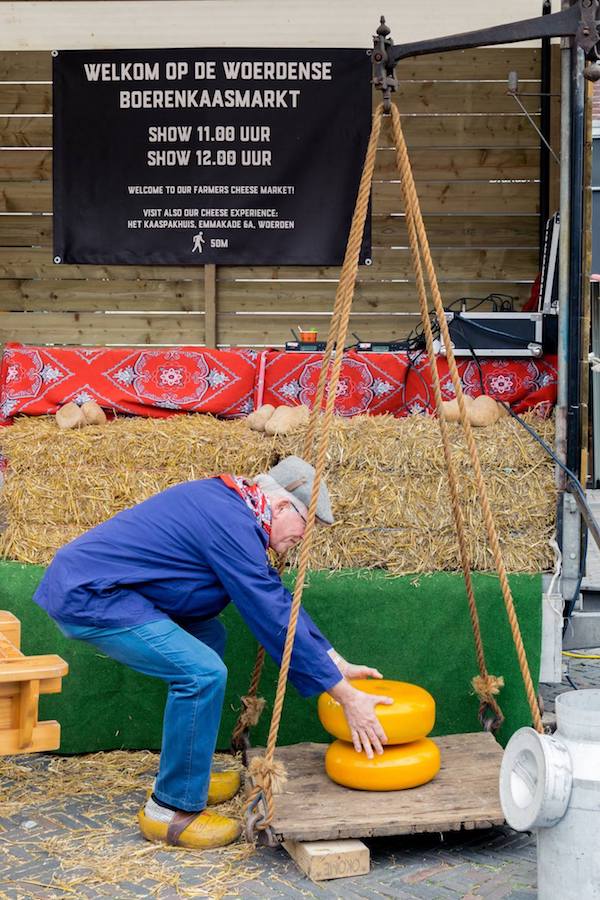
(239, 561)
(312, 628)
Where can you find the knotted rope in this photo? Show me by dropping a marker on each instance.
(337, 336)
(264, 769)
(421, 254)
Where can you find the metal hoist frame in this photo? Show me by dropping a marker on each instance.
(579, 22)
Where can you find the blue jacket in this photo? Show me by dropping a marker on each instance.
(184, 554)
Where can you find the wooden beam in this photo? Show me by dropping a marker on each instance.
(435, 196)
(28, 711)
(210, 305)
(412, 97)
(446, 130)
(256, 23)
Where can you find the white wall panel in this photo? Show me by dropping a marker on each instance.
(243, 23)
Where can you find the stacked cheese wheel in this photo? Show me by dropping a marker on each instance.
(408, 759)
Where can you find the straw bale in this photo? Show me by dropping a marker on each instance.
(387, 478)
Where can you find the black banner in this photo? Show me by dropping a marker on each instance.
(223, 156)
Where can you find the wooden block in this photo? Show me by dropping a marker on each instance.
(28, 711)
(46, 736)
(10, 627)
(51, 685)
(25, 668)
(8, 650)
(7, 713)
(320, 860)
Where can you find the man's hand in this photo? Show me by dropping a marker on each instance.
(349, 670)
(359, 709)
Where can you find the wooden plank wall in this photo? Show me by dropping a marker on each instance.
(476, 162)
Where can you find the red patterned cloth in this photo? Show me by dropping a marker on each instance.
(231, 383)
(37, 380)
(398, 384)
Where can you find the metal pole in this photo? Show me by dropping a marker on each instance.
(546, 87)
(576, 261)
(568, 518)
(564, 255)
(586, 271)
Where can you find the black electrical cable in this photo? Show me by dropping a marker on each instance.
(576, 485)
(573, 482)
(571, 682)
(475, 358)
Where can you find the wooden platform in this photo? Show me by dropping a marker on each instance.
(463, 795)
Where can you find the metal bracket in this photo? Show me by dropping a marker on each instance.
(264, 836)
(383, 71)
(488, 719)
(579, 21)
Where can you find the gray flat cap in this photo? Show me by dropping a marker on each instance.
(297, 477)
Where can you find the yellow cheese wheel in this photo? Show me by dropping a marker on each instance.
(397, 768)
(410, 716)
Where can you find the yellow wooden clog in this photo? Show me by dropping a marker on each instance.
(222, 787)
(194, 831)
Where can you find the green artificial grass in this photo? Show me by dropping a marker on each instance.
(415, 628)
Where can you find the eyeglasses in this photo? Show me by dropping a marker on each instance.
(293, 505)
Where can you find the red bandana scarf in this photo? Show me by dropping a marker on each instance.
(253, 497)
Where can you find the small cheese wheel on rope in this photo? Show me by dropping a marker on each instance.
(397, 768)
(410, 716)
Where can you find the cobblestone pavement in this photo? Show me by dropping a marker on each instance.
(89, 847)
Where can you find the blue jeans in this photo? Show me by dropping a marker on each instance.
(190, 661)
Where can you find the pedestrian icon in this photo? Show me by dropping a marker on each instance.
(198, 242)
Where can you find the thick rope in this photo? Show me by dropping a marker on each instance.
(252, 705)
(485, 695)
(415, 212)
(265, 769)
(343, 304)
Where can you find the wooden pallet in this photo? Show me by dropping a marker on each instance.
(312, 808)
(22, 680)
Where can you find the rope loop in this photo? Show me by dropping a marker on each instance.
(263, 769)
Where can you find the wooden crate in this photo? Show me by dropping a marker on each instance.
(22, 680)
(312, 808)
